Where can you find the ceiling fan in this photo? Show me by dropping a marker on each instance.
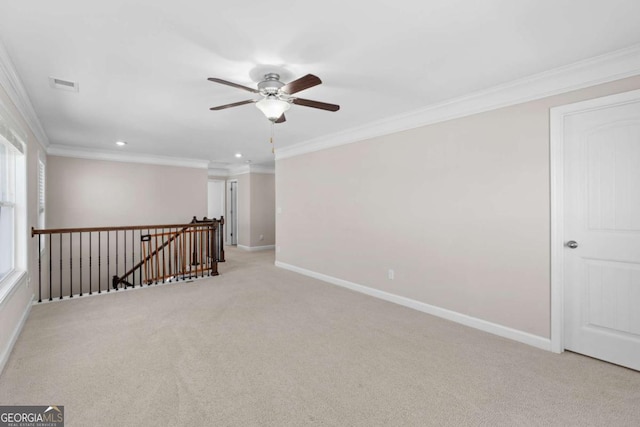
(276, 96)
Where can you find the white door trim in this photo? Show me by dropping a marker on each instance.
(557, 118)
(228, 207)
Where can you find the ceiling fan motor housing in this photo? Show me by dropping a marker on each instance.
(271, 84)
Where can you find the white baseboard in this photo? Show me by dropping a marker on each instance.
(483, 325)
(257, 248)
(14, 337)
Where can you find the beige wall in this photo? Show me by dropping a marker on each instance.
(86, 193)
(13, 308)
(256, 209)
(263, 209)
(459, 209)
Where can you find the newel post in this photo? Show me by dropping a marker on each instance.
(221, 231)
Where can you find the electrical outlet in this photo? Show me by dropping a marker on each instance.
(391, 274)
(279, 210)
(261, 237)
(277, 248)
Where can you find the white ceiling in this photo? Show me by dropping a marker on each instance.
(142, 66)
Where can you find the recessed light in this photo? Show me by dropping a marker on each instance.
(238, 155)
(121, 143)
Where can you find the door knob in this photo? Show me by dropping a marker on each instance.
(572, 244)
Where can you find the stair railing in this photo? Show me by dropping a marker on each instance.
(78, 261)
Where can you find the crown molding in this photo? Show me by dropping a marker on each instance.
(12, 84)
(589, 72)
(270, 170)
(244, 169)
(221, 172)
(126, 157)
(239, 170)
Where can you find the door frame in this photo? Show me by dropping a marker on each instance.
(228, 207)
(557, 117)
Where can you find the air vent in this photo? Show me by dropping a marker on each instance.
(61, 84)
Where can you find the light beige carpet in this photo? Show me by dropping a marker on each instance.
(262, 346)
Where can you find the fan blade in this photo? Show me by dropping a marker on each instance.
(301, 84)
(281, 119)
(224, 82)
(316, 104)
(235, 104)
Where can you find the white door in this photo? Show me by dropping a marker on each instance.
(602, 217)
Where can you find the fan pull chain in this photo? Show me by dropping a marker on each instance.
(273, 150)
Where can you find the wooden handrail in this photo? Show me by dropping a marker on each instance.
(126, 227)
(111, 245)
(161, 248)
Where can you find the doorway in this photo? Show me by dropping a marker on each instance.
(595, 228)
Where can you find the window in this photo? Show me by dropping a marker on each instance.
(12, 201)
(41, 200)
(7, 207)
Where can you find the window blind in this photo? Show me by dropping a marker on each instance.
(41, 183)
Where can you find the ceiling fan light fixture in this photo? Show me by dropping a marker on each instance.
(273, 108)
